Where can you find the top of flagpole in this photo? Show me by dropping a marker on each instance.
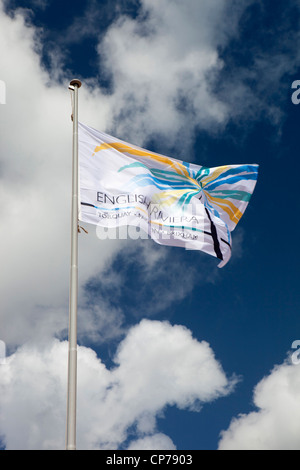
(76, 82)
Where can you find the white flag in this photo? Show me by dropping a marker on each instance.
(176, 203)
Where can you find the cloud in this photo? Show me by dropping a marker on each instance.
(182, 66)
(157, 441)
(35, 173)
(256, 78)
(162, 277)
(161, 65)
(275, 424)
(155, 365)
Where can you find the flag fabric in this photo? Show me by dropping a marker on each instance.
(174, 202)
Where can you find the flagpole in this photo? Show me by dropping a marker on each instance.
(72, 353)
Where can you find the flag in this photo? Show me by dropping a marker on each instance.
(174, 202)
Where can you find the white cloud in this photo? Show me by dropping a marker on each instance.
(156, 365)
(161, 67)
(35, 172)
(169, 75)
(276, 423)
(158, 441)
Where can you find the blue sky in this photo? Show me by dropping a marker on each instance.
(174, 352)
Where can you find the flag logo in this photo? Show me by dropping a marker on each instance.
(175, 202)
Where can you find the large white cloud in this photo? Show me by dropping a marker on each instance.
(35, 173)
(156, 365)
(160, 66)
(275, 425)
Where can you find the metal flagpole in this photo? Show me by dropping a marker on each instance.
(72, 357)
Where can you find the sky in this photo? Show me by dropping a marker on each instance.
(173, 352)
